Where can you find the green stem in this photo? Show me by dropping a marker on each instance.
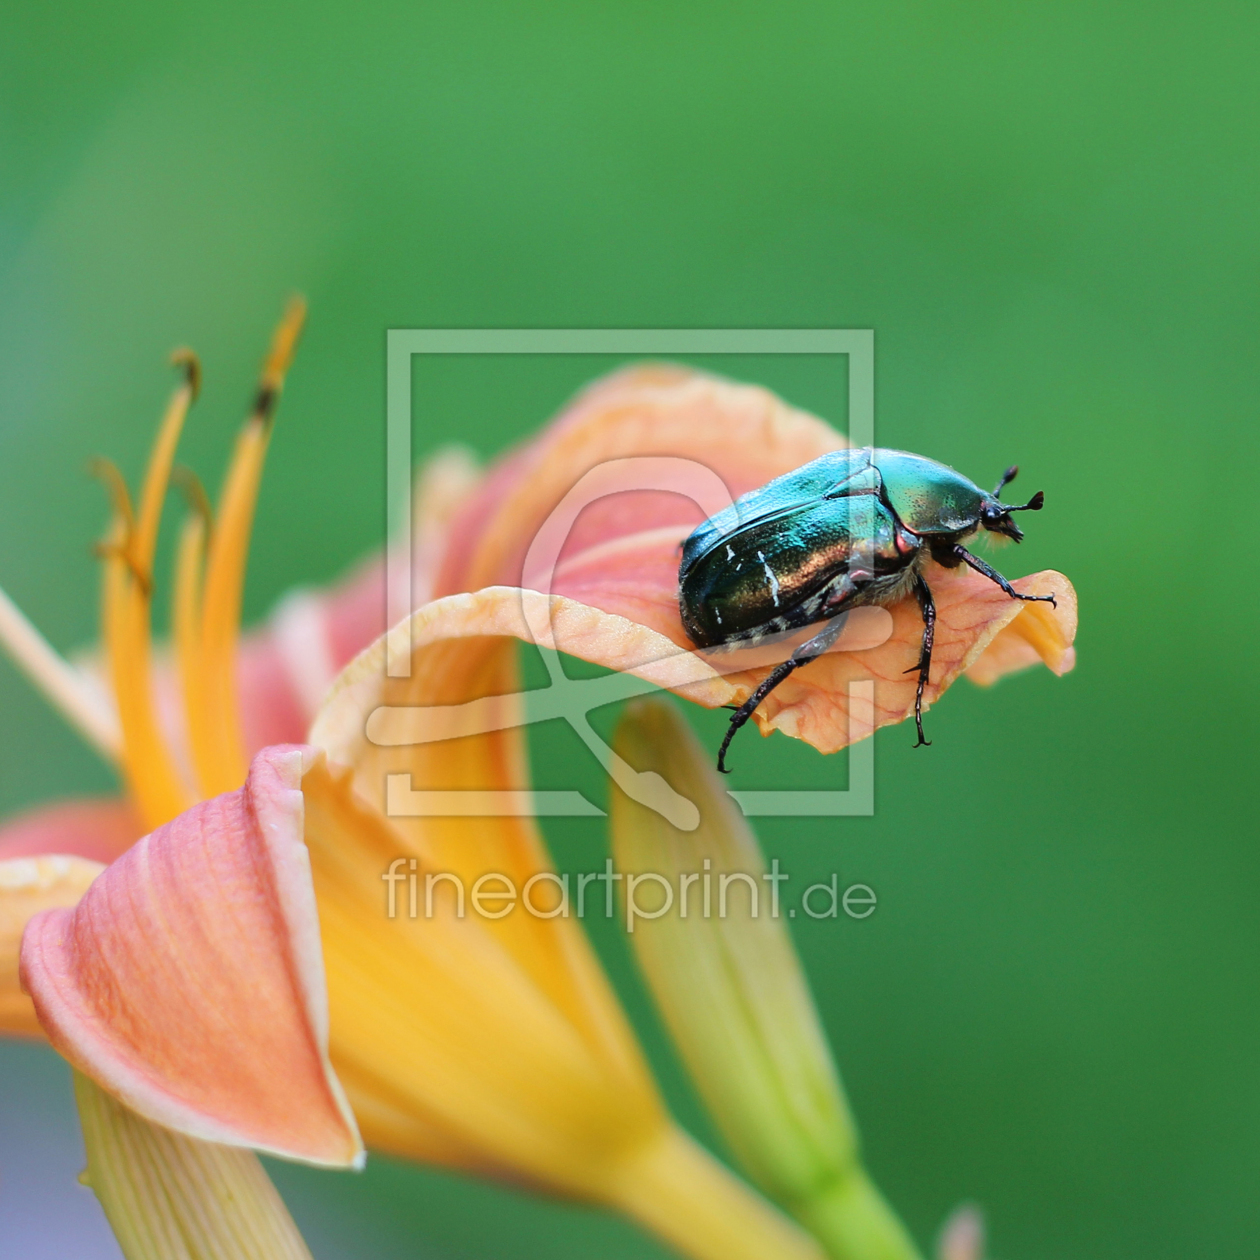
(852, 1220)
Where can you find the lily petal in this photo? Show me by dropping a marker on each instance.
(189, 980)
(553, 953)
(98, 828)
(619, 555)
(1040, 635)
(436, 1014)
(286, 665)
(453, 1053)
(741, 433)
(29, 886)
(971, 616)
(368, 716)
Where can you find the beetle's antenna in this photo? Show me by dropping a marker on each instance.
(1034, 504)
(1007, 477)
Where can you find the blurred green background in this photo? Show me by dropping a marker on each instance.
(1047, 212)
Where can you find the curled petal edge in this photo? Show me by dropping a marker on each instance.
(812, 704)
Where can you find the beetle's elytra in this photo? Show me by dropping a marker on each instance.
(854, 527)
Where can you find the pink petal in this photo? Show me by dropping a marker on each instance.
(287, 665)
(189, 980)
(972, 613)
(595, 509)
(740, 434)
(878, 645)
(97, 828)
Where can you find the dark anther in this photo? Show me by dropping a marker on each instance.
(187, 360)
(265, 402)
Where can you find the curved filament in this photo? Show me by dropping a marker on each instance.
(212, 708)
(152, 776)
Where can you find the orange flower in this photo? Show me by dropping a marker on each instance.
(231, 974)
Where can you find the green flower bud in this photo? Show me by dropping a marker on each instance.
(709, 937)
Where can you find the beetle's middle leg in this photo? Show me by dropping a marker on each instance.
(926, 606)
(808, 651)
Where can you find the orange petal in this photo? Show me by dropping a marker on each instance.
(451, 669)
(286, 666)
(971, 613)
(1040, 635)
(437, 1025)
(619, 554)
(189, 981)
(741, 434)
(97, 828)
(29, 886)
(365, 711)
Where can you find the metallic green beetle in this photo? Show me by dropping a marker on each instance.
(852, 528)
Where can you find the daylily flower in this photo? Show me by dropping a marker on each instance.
(233, 977)
(233, 973)
(166, 1194)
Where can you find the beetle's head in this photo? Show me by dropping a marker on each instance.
(996, 516)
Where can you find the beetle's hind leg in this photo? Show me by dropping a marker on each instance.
(993, 575)
(808, 651)
(924, 593)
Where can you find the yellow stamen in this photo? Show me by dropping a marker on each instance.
(152, 776)
(118, 545)
(213, 713)
(106, 471)
(195, 494)
(186, 631)
(158, 475)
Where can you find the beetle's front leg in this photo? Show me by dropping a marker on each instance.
(808, 651)
(994, 576)
(926, 606)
